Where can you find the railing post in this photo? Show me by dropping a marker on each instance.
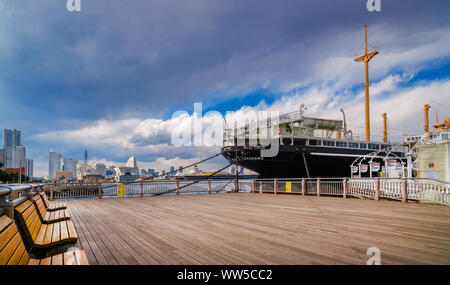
(318, 187)
(235, 185)
(377, 189)
(303, 187)
(253, 186)
(51, 192)
(99, 190)
(209, 186)
(142, 189)
(345, 186)
(404, 191)
(275, 186)
(178, 187)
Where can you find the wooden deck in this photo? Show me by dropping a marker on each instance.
(243, 228)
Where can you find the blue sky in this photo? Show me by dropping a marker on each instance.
(109, 78)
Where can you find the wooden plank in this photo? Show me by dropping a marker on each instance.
(7, 235)
(69, 258)
(40, 237)
(34, 261)
(84, 235)
(64, 231)
(4, 222)
(9, 249)
(81, 257)
(46, 261)
(22, 207)
(25, 258)
(34, 228)
(48, 234)
(18, 253)
(57, 259)
(56, 236)
(71, 229)
(100, 249)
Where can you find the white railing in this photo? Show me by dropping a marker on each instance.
(415, 189)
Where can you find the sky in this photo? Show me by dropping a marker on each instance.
(110, 77)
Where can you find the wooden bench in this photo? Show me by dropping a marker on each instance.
(52, 206)
(13, 252)
(41, 235)
(48, 217)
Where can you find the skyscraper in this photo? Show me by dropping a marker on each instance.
(70, 165)
(12, 138)
(2, 159)
(54, 164)
(29, 168)
(15, 153)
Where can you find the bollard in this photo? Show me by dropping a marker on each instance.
(377, 189)
(404, 191)
(209, 186)
(345, 186)
(303, 187)
(99, 186)
(142, 189)
(253, 186)
(318, 187)
(275, 186)
(178, 187)
(51, 192)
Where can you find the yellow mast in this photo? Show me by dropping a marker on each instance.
(366, 58)
(385, 135)
(426, 121)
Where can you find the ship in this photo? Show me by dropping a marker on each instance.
(313, 147)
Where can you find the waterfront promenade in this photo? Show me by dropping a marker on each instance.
(245, 228)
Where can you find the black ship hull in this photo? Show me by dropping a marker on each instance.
(302, 162)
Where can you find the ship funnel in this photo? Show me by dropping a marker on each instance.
(426, 121)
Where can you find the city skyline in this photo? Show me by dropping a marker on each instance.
(113, 91)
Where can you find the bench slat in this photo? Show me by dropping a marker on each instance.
(15, 258)
(4, 222)
(57, 259)
(7, 235)
(9, 249)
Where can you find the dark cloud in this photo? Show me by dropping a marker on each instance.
(121, 57)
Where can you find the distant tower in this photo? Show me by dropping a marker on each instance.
(85, 156)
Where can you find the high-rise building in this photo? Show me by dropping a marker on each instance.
(143, 171)
(29, 168)
(54, 164)
(12, 138)
(14, 152)
(2, 159)
(100, 169)
(70, 165)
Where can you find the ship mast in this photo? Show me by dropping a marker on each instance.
(366, 58)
